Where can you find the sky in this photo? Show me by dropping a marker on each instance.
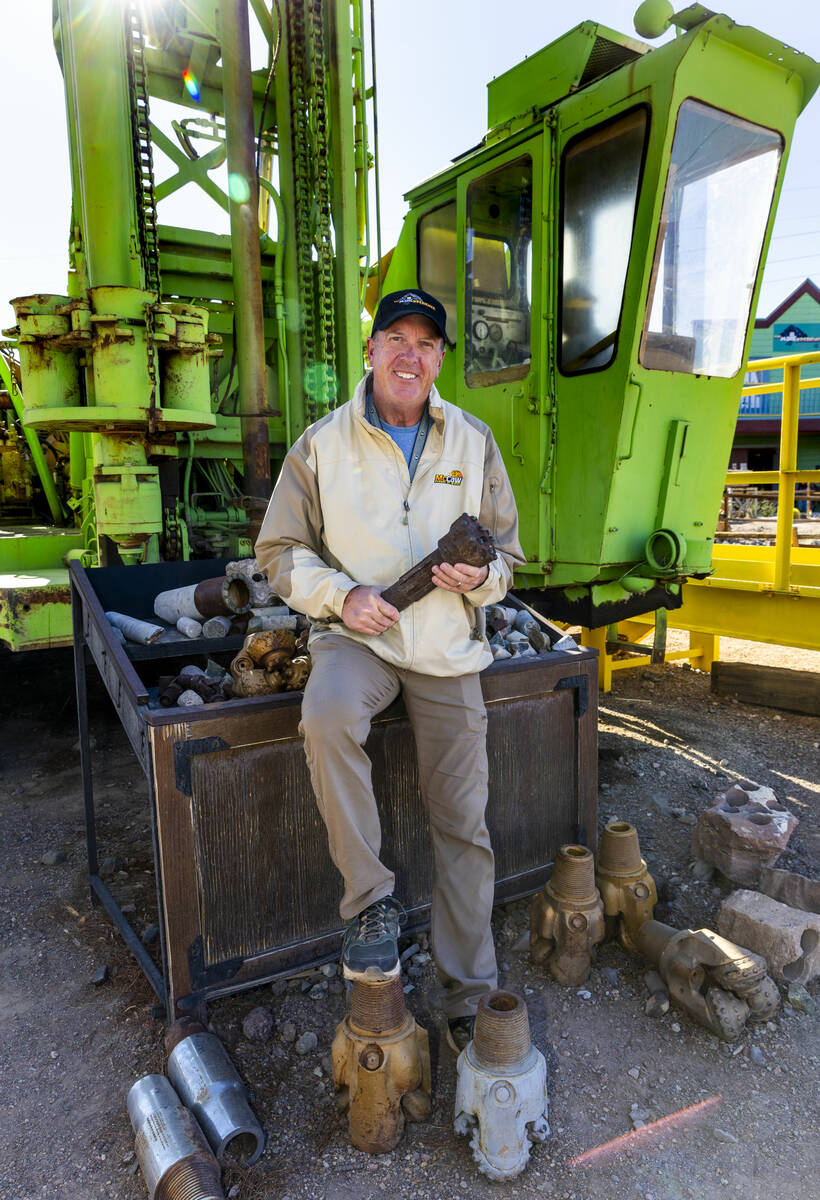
(434, 59)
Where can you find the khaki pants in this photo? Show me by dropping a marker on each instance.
(348, 686)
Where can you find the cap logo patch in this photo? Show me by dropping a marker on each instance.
(454, 478)
(412, 298)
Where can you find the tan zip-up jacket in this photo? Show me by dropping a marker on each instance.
(344, 512)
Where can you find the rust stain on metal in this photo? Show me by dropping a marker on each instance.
(567, 918)
(382, 1077)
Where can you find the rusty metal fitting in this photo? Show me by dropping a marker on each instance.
(720, 985)
(381, 1066)
(208, 1083)
(567, 918)
(627, 889)
(175, 1159)
(221, 597)
(501, 1094)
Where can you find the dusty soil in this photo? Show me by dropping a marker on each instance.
(69, 1050)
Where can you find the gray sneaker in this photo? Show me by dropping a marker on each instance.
(370, 950)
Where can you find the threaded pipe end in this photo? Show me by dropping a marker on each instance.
(377, 1007)
(501, 1038)
(573, 876)
(620, 852)
(191, 1179)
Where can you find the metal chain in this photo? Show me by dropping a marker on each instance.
(311, 167)
(324, 243)
(142, 149)
(301, 174)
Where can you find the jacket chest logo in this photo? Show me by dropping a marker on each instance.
(454, 478)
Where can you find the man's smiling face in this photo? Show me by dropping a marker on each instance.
(406, 359)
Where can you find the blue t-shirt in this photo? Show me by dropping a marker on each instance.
(404, 436)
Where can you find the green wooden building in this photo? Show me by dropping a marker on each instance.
(793, 327)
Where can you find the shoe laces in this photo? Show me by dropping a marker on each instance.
(376, 919)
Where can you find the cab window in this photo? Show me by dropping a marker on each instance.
(438, 259)
(498, 291)
(719, 193)
(600, 179)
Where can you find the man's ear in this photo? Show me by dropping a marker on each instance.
(371, 345)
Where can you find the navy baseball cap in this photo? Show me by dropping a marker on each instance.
(413, 300)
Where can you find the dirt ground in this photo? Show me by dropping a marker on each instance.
(70, 1050)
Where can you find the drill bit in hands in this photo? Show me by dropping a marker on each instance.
(465, 542)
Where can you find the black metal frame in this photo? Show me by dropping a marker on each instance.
(100, 893)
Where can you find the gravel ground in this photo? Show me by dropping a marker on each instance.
(70, 1050)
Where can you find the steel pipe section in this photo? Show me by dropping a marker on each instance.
(208, 1083)
(176, 1161)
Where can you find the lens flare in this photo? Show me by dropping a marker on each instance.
(238, 188)
(191, 84)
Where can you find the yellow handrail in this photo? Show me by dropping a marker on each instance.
(787, 474)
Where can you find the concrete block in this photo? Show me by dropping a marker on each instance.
(788, 938)
(747, 828)
(790, 888)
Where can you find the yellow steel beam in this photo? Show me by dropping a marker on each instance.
(755, 616)
(773, 364)
(762, 389)
(736, 478)
(788, 463)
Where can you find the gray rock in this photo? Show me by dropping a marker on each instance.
(279, 987)
(306, 1042)
(409, 952)
(757, 1056)
(258, 1025)
(723, 1135)
(109, 866)
(610, 976)
(329, 970)
(317, 992)
(99, 976)
(336, 987)
(149, 935)
(800, 999)
(52, 857)
(703, 870)
(287, 1031)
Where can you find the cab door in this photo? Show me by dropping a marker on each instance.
(499, 343)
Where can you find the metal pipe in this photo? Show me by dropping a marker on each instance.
(208, 1082)
(175, 1159)
(99, 118)
(243, 187)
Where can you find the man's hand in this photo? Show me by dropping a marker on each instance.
(459, 577)
(364, 611)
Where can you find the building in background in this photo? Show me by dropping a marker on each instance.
(793, 327)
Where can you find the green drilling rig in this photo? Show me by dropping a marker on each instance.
(599, 253)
